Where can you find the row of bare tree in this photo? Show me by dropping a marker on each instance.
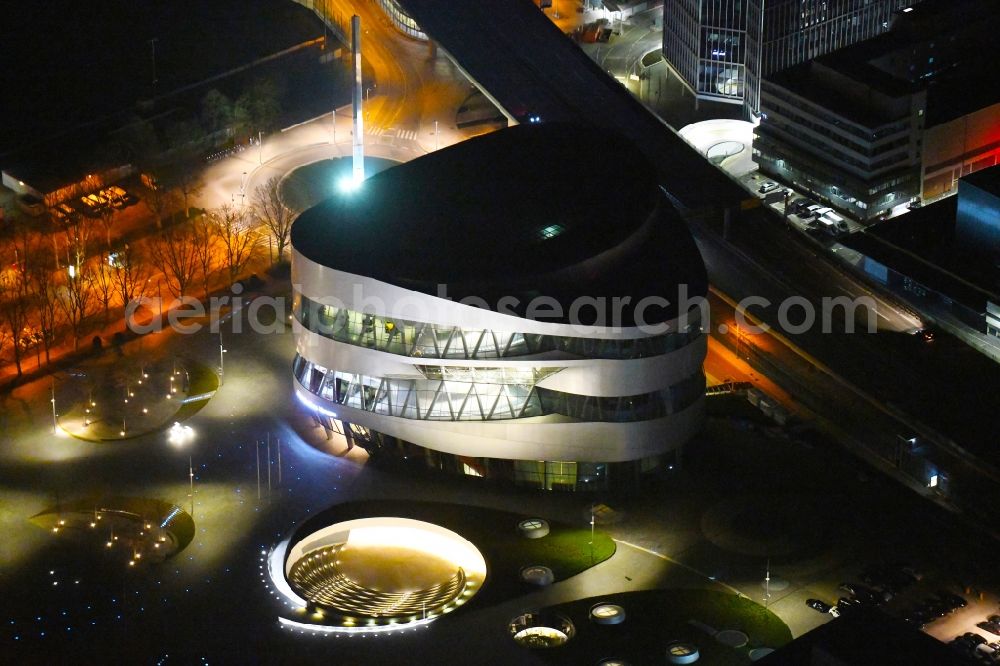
(55, 281)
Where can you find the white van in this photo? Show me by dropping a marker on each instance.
(839, 223)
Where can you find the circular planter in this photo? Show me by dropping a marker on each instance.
(605, 613)
(682, 653)
(537, 574)
(533, 528)
(541, 630)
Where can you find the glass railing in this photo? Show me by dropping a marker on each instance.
(445, 400)
(423, 340)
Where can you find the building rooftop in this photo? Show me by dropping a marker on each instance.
(530, 210)
(936, 46)
(921, 244)
(807, 81)
(987, 180)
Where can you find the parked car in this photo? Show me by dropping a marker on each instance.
(992, 624)
(803, 205)
(767, 186)
(818, 605)
(845, 605)
(90, 207)
(987, 654)
(810, 211)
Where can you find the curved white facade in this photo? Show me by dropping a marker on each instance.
(454, 312)
(449, 403)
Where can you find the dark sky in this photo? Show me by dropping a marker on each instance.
(66, 63)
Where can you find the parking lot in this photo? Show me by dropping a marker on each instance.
(948, 612)
(803, 213)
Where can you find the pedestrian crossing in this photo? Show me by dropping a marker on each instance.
(392, 136)
(389, 135)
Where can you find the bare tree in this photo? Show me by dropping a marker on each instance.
(77, 233)
(15, 301)
(161, 198)
(130, 273)
(189, 183)
(108, 216)
(76, 298)
(46, 297)
(5, 337)
(205, 244)
(175, 254)
(237, 236)
(273, 214)
(103, 282)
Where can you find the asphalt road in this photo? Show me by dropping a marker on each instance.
(880, 385)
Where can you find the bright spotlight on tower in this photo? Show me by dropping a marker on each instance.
(348, 184)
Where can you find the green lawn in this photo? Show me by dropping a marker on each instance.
(655, 618)
(201, 380)
(566, 550)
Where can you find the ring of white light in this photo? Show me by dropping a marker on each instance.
(318, 556)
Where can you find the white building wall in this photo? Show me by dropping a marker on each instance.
(550, 437)
(363, 294)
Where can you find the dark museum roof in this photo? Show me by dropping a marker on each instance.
(523, 211)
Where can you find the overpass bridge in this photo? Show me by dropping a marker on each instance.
(530, 69)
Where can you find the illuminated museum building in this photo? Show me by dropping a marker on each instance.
(512, 373)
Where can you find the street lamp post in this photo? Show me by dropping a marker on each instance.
(260, 147)
(55, 423)
(436, 134)
(179, 435)
(767, 583)
(222, 361)
(591, 532)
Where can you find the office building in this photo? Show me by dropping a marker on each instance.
(890, 121)
(722, 48)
